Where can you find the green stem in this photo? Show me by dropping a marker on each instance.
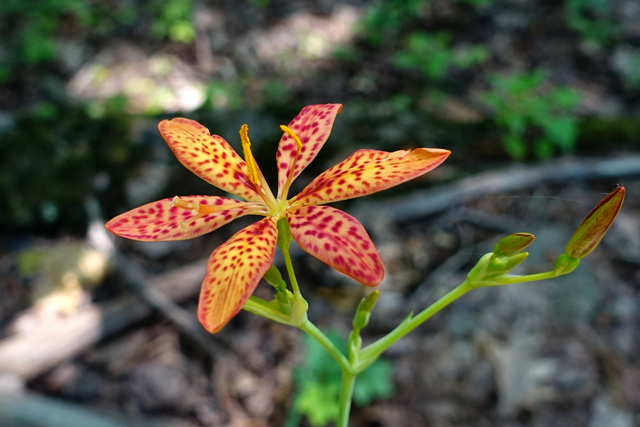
(292, 275)
(346, 396)
(508, 279)
(262, 308)
(371, 352)
(299, 319)
(317, 334)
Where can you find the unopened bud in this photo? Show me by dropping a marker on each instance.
(593, 228)
(363, 312)
(273, 277)
(284, 234)
(367, 303)
(513, 244)
(478, 272)
(503, 265)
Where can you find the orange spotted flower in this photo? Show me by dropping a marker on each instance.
(235, 268)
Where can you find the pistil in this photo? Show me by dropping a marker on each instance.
(255, 175)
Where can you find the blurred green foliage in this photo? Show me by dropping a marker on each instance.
(317, 384)
(630, 71)
(477, 3)
(34, 26)
(30, 28)
(525, 107)
(595, 20)
(386, 18)
(173, 19)
(54, 157)
(410, 77)
(525, 104)
(434, 56)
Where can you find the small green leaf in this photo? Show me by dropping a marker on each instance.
(319, 402)
(565, 98)
(543, 148)
(562, 131)
(515, 146)
(318, 382)
(375, 382)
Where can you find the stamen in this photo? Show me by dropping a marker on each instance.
(255, 176)
(292, 167)
(248, 155)
(292, 134)
(197, 207)
(201, 209)
(182, 204)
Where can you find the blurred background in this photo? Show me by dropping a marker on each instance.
(538, 100)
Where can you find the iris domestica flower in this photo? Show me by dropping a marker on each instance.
(235, 268)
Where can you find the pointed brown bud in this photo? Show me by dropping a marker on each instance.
(593, 228)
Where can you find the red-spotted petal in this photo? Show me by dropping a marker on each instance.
(162, 221)
(208, 156)
(337, 239)
(233, 273)
(368, 171)
(313, 126)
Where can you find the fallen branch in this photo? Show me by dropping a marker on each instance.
(27, 355)
(157, 298)
(20, 408)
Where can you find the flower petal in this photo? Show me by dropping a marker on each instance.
(161, 220)
(313, 126)
(368, 171)
(233, 272)
(337, 239)
(208, 156)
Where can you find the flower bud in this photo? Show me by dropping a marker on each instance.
(502, 265)
(478, 272)
(284, 234)
(363, 312)
(565, 264)
(273, 277)
(593, 228)
(513, 244)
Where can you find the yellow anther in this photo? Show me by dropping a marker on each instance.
(292, 134)
(182, 204)
(292, 166)
(252, 168)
